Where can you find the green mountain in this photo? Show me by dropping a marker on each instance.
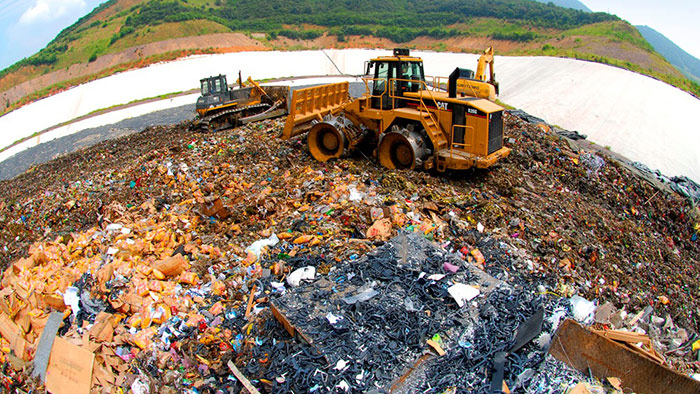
(122, 34)
(685, 62)
(573, 4)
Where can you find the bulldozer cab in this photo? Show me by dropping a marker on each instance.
(394, 76)
(214, 93)
(214, 85)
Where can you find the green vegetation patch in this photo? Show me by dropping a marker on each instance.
(619, 31)
(257, 15)
(397, 20)
(522, 21)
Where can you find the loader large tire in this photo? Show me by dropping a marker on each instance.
(326, 142)
(401, 150)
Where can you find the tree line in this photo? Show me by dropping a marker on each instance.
(397, 20)
(271, 15)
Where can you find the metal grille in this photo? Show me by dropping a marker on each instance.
(495, 131)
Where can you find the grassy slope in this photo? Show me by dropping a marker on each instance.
(529, 28)
(618, 44)
(685, 62)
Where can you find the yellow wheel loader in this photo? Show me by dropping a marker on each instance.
(407, 123)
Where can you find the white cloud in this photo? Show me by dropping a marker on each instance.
(48, 10)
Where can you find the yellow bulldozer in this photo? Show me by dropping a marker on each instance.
(221, 107)
(408, 123)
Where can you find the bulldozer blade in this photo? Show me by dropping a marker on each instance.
(586, 351)
(263, 116)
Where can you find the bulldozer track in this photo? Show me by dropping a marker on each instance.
(205, 122)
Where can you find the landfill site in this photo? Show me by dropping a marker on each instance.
(612, 106)
(206, 257)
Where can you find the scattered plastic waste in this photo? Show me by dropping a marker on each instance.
(364, 295)
(139, 387)
(72, 299)
(582, 309)
(306, 273)
(592, 162)
(256, 247)
(462, 293)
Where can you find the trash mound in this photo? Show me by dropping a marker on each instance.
(119, 299)
(682, 185)
(376, 323)
(163, 252)
(542, 124)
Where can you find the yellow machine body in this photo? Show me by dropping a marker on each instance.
(479, 85)
(467, 87)
(220, 107)
(410, 125)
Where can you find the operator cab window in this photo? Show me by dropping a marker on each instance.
(411, 71)
(383, 72)
(217, 86)
(382, 75)
(205, 88)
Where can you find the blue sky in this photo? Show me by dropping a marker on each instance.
(678, 20)
(26, 26)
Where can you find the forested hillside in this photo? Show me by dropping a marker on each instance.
(575, 4)
(398, 20)
(514, 27)
(685, 62)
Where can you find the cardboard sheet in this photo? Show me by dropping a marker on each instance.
(70, 368)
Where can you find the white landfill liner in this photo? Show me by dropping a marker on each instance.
(637, 116)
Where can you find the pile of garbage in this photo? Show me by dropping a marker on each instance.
(377, 321)
(167, 252)
(682, 185)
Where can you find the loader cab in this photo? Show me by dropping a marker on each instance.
(214, 92)
(394, 76)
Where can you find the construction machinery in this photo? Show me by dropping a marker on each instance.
(405, 123)
(475, 84)
(220, 107)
